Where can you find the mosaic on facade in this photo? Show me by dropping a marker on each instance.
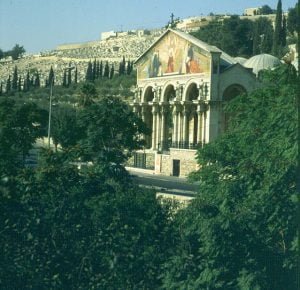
(173, 55)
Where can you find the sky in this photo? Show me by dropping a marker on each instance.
(40, 25)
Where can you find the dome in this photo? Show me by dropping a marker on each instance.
(262, 61)
(240, 60)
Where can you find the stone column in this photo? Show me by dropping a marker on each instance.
(179, 129)
(143, 113)
(175, 126)
(154, 128)
(199, 127)
(163, 128)
(158, 128)
(185, 131)
(204, 127)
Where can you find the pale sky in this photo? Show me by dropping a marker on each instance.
(41, 25)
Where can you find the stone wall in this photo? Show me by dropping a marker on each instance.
(164, 162)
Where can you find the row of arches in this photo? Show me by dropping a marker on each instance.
(170, 92)
(177, 116)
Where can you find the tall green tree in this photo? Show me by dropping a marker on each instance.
(64, 83)
(101, 69)
(20, 126)
(8, 85)
(292, 20)
(277, 38)
(37, 82)
(69, 79)
(89, 72)
(65, 131)
(17, 52)
(88, 93)
(106, 141)
(94, 69)
(19, 84)
(14, 84)
(265, 10)
(112, 71)
(106, 70)
(241, 230)
(76, 75)
(51, 78)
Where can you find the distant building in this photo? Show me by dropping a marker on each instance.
(252, 11)
(108, 34)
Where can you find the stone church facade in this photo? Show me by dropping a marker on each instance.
(182, 87)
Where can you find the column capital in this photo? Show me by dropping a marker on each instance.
(155, 109)
(201, 107)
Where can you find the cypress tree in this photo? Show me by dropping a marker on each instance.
(32, 82)
(128, 67)
(46, 82)
(94, 70)
(89, 72)
(14, 85)
(20, 84)
(123, 64)
(97, 69)
(277, 37)
(112, 71)
(69, 82)
(106, 70)
(76, 75)
(28, 81)
(51, 76)
(37, 82)
(101, 69)
(24, 86)
(283, 32)
(8, 85)
(64, 83)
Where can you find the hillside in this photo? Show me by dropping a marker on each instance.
(111, 50)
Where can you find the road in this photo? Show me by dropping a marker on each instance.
(166, 184)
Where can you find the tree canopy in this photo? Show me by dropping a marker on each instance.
(240, 232)
(233, 35)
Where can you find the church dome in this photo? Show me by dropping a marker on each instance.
(240, 60)
(262, 61)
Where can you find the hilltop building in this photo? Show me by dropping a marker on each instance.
(182, 86)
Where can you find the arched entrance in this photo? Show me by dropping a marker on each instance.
(192, 94)
(147, 114)
(167, 135)
(230, 93)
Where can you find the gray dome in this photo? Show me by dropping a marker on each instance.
(262, 61)
(240, 60)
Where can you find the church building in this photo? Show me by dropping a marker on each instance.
(182, 86)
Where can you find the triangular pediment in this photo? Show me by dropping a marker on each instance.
(174, 53)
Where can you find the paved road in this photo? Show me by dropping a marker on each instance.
(168, 184)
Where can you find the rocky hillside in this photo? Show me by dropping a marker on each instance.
(111, 50)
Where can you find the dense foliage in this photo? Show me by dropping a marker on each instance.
(65, 228)
(240, 232)
(238, 37)
(244, 37)
(62, 228)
